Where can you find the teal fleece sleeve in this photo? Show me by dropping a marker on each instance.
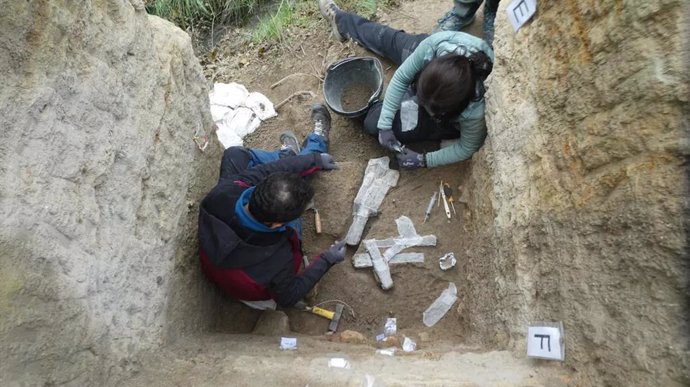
(473, 133)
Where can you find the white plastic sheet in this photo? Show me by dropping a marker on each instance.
(378, 179)
(237, 112)
(440, 306)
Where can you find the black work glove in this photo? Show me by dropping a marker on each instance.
(410, 159)
(335, 253)
(388, 140)
(327, 162)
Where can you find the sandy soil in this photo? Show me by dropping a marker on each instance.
(279, 72)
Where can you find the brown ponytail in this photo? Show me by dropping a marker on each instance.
(481, 64)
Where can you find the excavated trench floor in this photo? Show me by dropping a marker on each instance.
(294, 68)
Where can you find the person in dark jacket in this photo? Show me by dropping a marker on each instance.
(250, 222)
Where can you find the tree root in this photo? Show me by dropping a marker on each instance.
(273, 86)
(293, 95)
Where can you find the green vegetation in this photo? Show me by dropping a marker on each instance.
(271, 27)
(207, 14)
(365, 8)
(293, 13)
(201, 13)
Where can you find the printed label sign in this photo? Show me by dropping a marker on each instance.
(288, 343)
(520, 11)
(546, 342)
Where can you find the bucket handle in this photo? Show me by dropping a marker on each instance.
(337, 64)
(341, 62)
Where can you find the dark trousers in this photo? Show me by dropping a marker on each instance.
(396, 46)
(235, 160)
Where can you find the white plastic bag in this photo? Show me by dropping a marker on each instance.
(440, 306)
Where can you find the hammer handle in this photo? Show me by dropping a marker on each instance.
(323, 312)
(317, 221)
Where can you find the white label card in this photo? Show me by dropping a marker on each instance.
(288, 343)
(545, 342)
(520, 11)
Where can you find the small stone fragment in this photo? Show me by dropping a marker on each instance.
(352, 337)
(388, 342)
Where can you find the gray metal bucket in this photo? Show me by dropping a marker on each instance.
(363, 73)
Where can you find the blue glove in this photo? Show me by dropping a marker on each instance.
(335, 253)
(327, 162)
(387, 140)
(409, 159)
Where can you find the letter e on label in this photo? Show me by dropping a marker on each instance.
(520, 11)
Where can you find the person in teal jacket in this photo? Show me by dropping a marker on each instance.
(436, 93)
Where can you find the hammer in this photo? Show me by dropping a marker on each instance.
(317, 217)
(334, 316)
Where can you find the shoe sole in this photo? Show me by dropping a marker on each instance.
(334, 26)
(292, 136)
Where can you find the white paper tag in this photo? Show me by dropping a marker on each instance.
(391, 327)
(545, 342)
(288, 343)
(338, 362)
(386, 351)
(520, 11)
(409, 345)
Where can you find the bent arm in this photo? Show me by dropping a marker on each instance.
(302, 164)
(472, 135)
(288, 288)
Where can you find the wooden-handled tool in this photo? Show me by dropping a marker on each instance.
(317, 221)
(317, 216)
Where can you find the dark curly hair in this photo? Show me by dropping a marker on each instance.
(447, 84)
(280, 198)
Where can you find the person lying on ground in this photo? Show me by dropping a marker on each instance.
(437, 92)
(250, 223)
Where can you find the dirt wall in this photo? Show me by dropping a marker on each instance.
(580, 194)
(98, 108)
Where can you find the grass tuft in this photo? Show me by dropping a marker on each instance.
(272, 27)
(201, 13)
(366, 8)
(205, 14)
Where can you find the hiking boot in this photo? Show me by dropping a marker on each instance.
(328, 10)
(321, 119)
(289, 146)
(451, 21)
